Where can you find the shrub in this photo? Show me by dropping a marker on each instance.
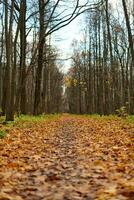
(122, 112)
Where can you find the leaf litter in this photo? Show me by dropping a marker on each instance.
(69, 158)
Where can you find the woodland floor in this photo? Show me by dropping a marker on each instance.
(68, 158)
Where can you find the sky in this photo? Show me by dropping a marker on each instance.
(63, 38)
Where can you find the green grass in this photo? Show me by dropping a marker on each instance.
(2, 134)
(2, 119)
(28, 120)
(130, 118)
(103, 117)
(23, 121)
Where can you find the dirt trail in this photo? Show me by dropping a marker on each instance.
(70, 158)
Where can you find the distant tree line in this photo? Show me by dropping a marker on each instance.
(101, 79)
(30, 79)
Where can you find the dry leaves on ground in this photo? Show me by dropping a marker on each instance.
(69, 158)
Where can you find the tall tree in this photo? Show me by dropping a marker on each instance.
(23, 48)
(8, 39)
(131, 46)
(40, 57)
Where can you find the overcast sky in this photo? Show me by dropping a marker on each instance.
(64, 37)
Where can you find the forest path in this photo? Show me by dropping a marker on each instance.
(68, 158)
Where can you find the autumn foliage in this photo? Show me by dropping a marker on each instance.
(68, 158)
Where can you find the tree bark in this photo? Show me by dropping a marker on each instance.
(131, 46)
(38, 81)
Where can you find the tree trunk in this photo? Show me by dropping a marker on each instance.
(131, 45)
(8, 38)
(38, 81)
(23, 57)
